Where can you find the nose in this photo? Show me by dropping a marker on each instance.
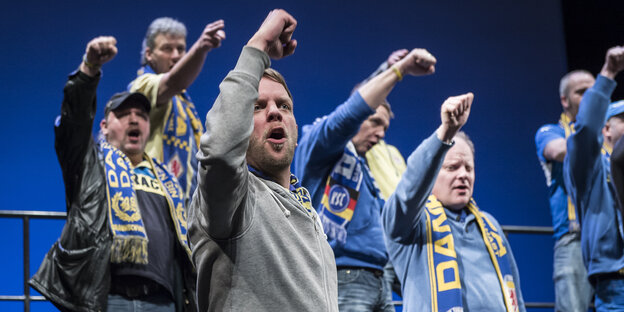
(134, 118)
(273, 113)
(382, 133)
(462, 173)
(176, 55)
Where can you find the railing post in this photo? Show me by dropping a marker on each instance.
(26, 222)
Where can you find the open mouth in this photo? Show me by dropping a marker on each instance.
(277, 135)
(461, 188)
(134, 134)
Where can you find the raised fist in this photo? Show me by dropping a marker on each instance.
(275, 35)
(614, 62)
(100, 50)
(213, 35)
(418, 62)
(454, 114)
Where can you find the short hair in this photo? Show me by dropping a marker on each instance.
(274, 75)
(564, 84)
(161, 25)
(386, 105)
(462, 135)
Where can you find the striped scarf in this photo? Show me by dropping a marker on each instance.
(342, 191)
(568, 128)
(444, 278)
(129, 236)
(181, 123)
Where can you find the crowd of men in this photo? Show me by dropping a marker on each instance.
(164, 215)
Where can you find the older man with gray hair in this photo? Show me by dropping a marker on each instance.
(167, 70)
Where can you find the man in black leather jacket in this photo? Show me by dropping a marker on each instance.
(125, 236)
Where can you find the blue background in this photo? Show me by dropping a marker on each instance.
(510, 54)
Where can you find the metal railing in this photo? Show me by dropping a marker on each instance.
(26, 215)
(540, 230)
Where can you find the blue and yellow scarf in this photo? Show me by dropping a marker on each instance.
(177, 154)
(444, 278)
(341, 194)
(129, 236)
(568, 128)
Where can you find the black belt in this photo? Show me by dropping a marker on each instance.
(378, 273)
(136, 287)
(609, 276)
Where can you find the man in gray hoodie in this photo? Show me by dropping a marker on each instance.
(256, 239)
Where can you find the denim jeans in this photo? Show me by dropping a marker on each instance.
(148, 304)
(572, 289)
(360, 290)
(391, 278)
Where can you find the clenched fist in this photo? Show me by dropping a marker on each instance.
(275, 35)
(454, 114)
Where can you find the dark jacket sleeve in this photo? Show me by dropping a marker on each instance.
(583, 159)
(72, 130)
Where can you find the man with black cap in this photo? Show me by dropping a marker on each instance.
(124, 244)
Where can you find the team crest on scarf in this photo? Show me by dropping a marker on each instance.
(342, 191)
(129, 237)
(446, 293)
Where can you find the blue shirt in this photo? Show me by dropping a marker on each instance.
(320, 148)
(553, 170)
(587, 175)
(405, 227)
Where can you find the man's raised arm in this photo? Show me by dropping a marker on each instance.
(418, 62)
(185, 71)
(584, 146)
(404, 207)
(223, 173)
(72, 130)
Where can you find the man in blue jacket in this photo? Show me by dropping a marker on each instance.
(587, 178)
(448, 254)
(330, 162)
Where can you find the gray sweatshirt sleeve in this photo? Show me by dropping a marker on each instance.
(221, 198)
(404, 207)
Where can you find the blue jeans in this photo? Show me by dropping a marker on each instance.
(361, 290)
(147, 304)
(392, 279)
(572, 289)
(609, 295)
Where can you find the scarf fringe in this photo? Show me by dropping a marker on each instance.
(129, 249)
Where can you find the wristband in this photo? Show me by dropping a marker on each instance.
(92, 66)
(398, 73)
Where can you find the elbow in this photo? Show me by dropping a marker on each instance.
(394, 227)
